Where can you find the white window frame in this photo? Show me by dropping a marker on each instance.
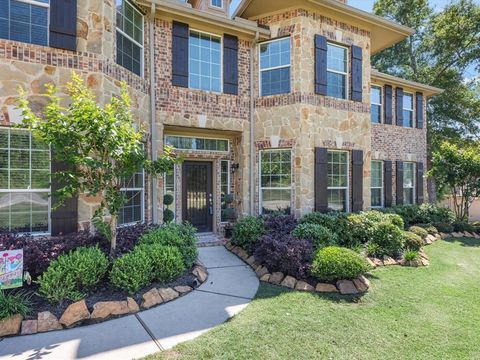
(346, 74)
(200, 137)
(30, 190)
(228, 183)
(274, 67)
(174, 191)
(215, 6)
(142, 199)
(221, 60)
(412, 110)
(414, 181)
(381, 187)
(261, 188)
(378, 104)
(347, 188)
(142, 53)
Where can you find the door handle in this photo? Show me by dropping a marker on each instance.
(210, 204)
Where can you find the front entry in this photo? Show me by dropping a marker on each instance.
(197, 194)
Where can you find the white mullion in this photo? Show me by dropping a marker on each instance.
(35, 3)
(129, 38)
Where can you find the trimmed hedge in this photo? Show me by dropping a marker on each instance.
(386, 240)
(319, 235)
(412, 241)
(247, 231)
(167, 261)
(132, 271)
(419, 231)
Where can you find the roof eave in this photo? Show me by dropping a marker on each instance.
(427, 90)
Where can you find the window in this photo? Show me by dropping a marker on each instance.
(338, 180)
(376, 104)
(24, 182)
(198, 144)
(275, 181)
(169, 188)
(133, 209)
(275, 67)
(337, 69)
(224, 185)
(204, 62)
(129, 37)
(377, 184)
(407, 110)
(216, 3)
(25, 20)
(408, 183)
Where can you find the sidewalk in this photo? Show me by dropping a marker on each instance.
(229, 288)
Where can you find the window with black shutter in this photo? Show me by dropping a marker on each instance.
(321, 179)
(357, 180)
(419, 110)
(388, 108)
(320, 65)
(399, 106)
(63, 24)
(180, 33)
(399, 183)
(356, 73)
(230, 64)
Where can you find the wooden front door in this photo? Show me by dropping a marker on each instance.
(197, 195)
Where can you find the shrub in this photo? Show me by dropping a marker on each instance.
(13, 303)
(319, 235)
(247, 231)
(168, 216)
(335, 263)
(423, 214)
(182, 236)
(282, 224)
(168, 199)
(132, 271)
(462, 226)
(325, 220)
(412, 241)
(128, 237)
(411, 255)
(167, 261)
(284, 253)
(388, 239)
(432, 230)
(444, 228)
(70, 274)
(419, 231)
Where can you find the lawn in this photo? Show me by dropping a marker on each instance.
(410, 313)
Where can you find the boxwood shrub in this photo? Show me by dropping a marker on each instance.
(132, 271)
(247, 231)
(412, 241)
(419, 231)
(319, 235)
(386, 240)
(167, 261)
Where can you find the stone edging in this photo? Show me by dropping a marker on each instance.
(77, 314)
(344, 287)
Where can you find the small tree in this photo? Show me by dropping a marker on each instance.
(457, 169)
(99, 146)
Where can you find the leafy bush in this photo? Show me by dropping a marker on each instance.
(168, 199)
(412, 241)
(167, 261)
(462, 226)
(411, 255)
(319, 235)
(168, 216)
(423, 214)
(182, 236)
(247, 231)
(335, 263)
(432, 230)
(132, 271)
(388, 239)
(444, 228)
(70, 274)
(128, 237)
(281, 224)
(285, 253)
(326, 220)
(13, 303)
(419, 231)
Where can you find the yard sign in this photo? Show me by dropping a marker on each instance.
(11, 269)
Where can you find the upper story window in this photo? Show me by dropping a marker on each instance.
(407, 110)
(275, 67)
(129, 37)
(338, 176)
(204, 63)
(337, 71)
(25, 20)
(216, 3)
(376, 104)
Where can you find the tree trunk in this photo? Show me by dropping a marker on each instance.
(113, 231)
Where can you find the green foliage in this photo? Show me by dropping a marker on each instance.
(411, 241)
(132, 271)
(326, 220)
(444, 228)
(319, 235)
(432, 230)
(387, 239)
(71, 274)
(335, 263)
(168, 216)
(182, 236)
(337, 223)
(462, 226)
(247, 231)
(13, 303)
(419, 231)
(168, 199)
(411, 255)
(167, 261)
(422, 214)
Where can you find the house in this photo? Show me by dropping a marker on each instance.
(276, 104)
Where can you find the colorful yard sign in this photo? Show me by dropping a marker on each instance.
(11, 269)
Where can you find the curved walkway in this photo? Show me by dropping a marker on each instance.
(230, 286)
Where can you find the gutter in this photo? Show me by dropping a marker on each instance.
(426, 89)
(252, 124)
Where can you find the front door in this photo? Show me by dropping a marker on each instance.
(197, 195)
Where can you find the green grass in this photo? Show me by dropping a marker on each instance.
(410, 313)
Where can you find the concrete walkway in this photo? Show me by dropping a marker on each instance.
(229, 288)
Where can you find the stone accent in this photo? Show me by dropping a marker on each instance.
(29, 327)
(47, 322)
(289, 282)
(151, 298)
(201, 273)
(168, 294)
(75, 313)
(132, 305)
(105, 309)
(303, 286)
(346, 287)
(360, 285)
(182, 290)
(261, 270)
(325, 288)
(11, 325)
(387, 260)
(265, 278)
(276, 278)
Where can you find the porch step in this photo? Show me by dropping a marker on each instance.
(208, 239)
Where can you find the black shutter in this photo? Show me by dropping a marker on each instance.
(320, 65)
(399, 107)
(419, 176)
(357, 73)
(180, 54)
(357, 180)
(388, 105)
(388, 183)
(321, 178)
(419, 110)
(230, 64)
(399, 178)
(64, 218)
(63, 24)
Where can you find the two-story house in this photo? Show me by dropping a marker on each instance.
(276, 104)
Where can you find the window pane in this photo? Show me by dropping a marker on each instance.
(337, 199)
(276, 181)
(276, 82)
(129, 49)
(336, 85)
(204, 62)
(376, 115)
(275, 53)
(407, 118)
(336, 58)
(376, 174)
(376, 197)
(376, 96)
(276, 200)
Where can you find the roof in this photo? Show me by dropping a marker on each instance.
(426, 89)
(384, 33)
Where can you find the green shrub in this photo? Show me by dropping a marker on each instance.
(396, 220)
(423, 214)
(388, 239)
(18, 302)
(411, 255)
(168, 216)
(132, 271)
(412, 241)
(167, 261)
(335, 263)
(247, 231)
(419, 231)
(432, 230)
(71, 274)
(462, 226)
(374, 250)
(326, 220)
(182, 236)
(318, 234)
(444, 228)
(168, 199)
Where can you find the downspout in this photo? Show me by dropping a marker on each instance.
(153, 122)
(252, 124)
